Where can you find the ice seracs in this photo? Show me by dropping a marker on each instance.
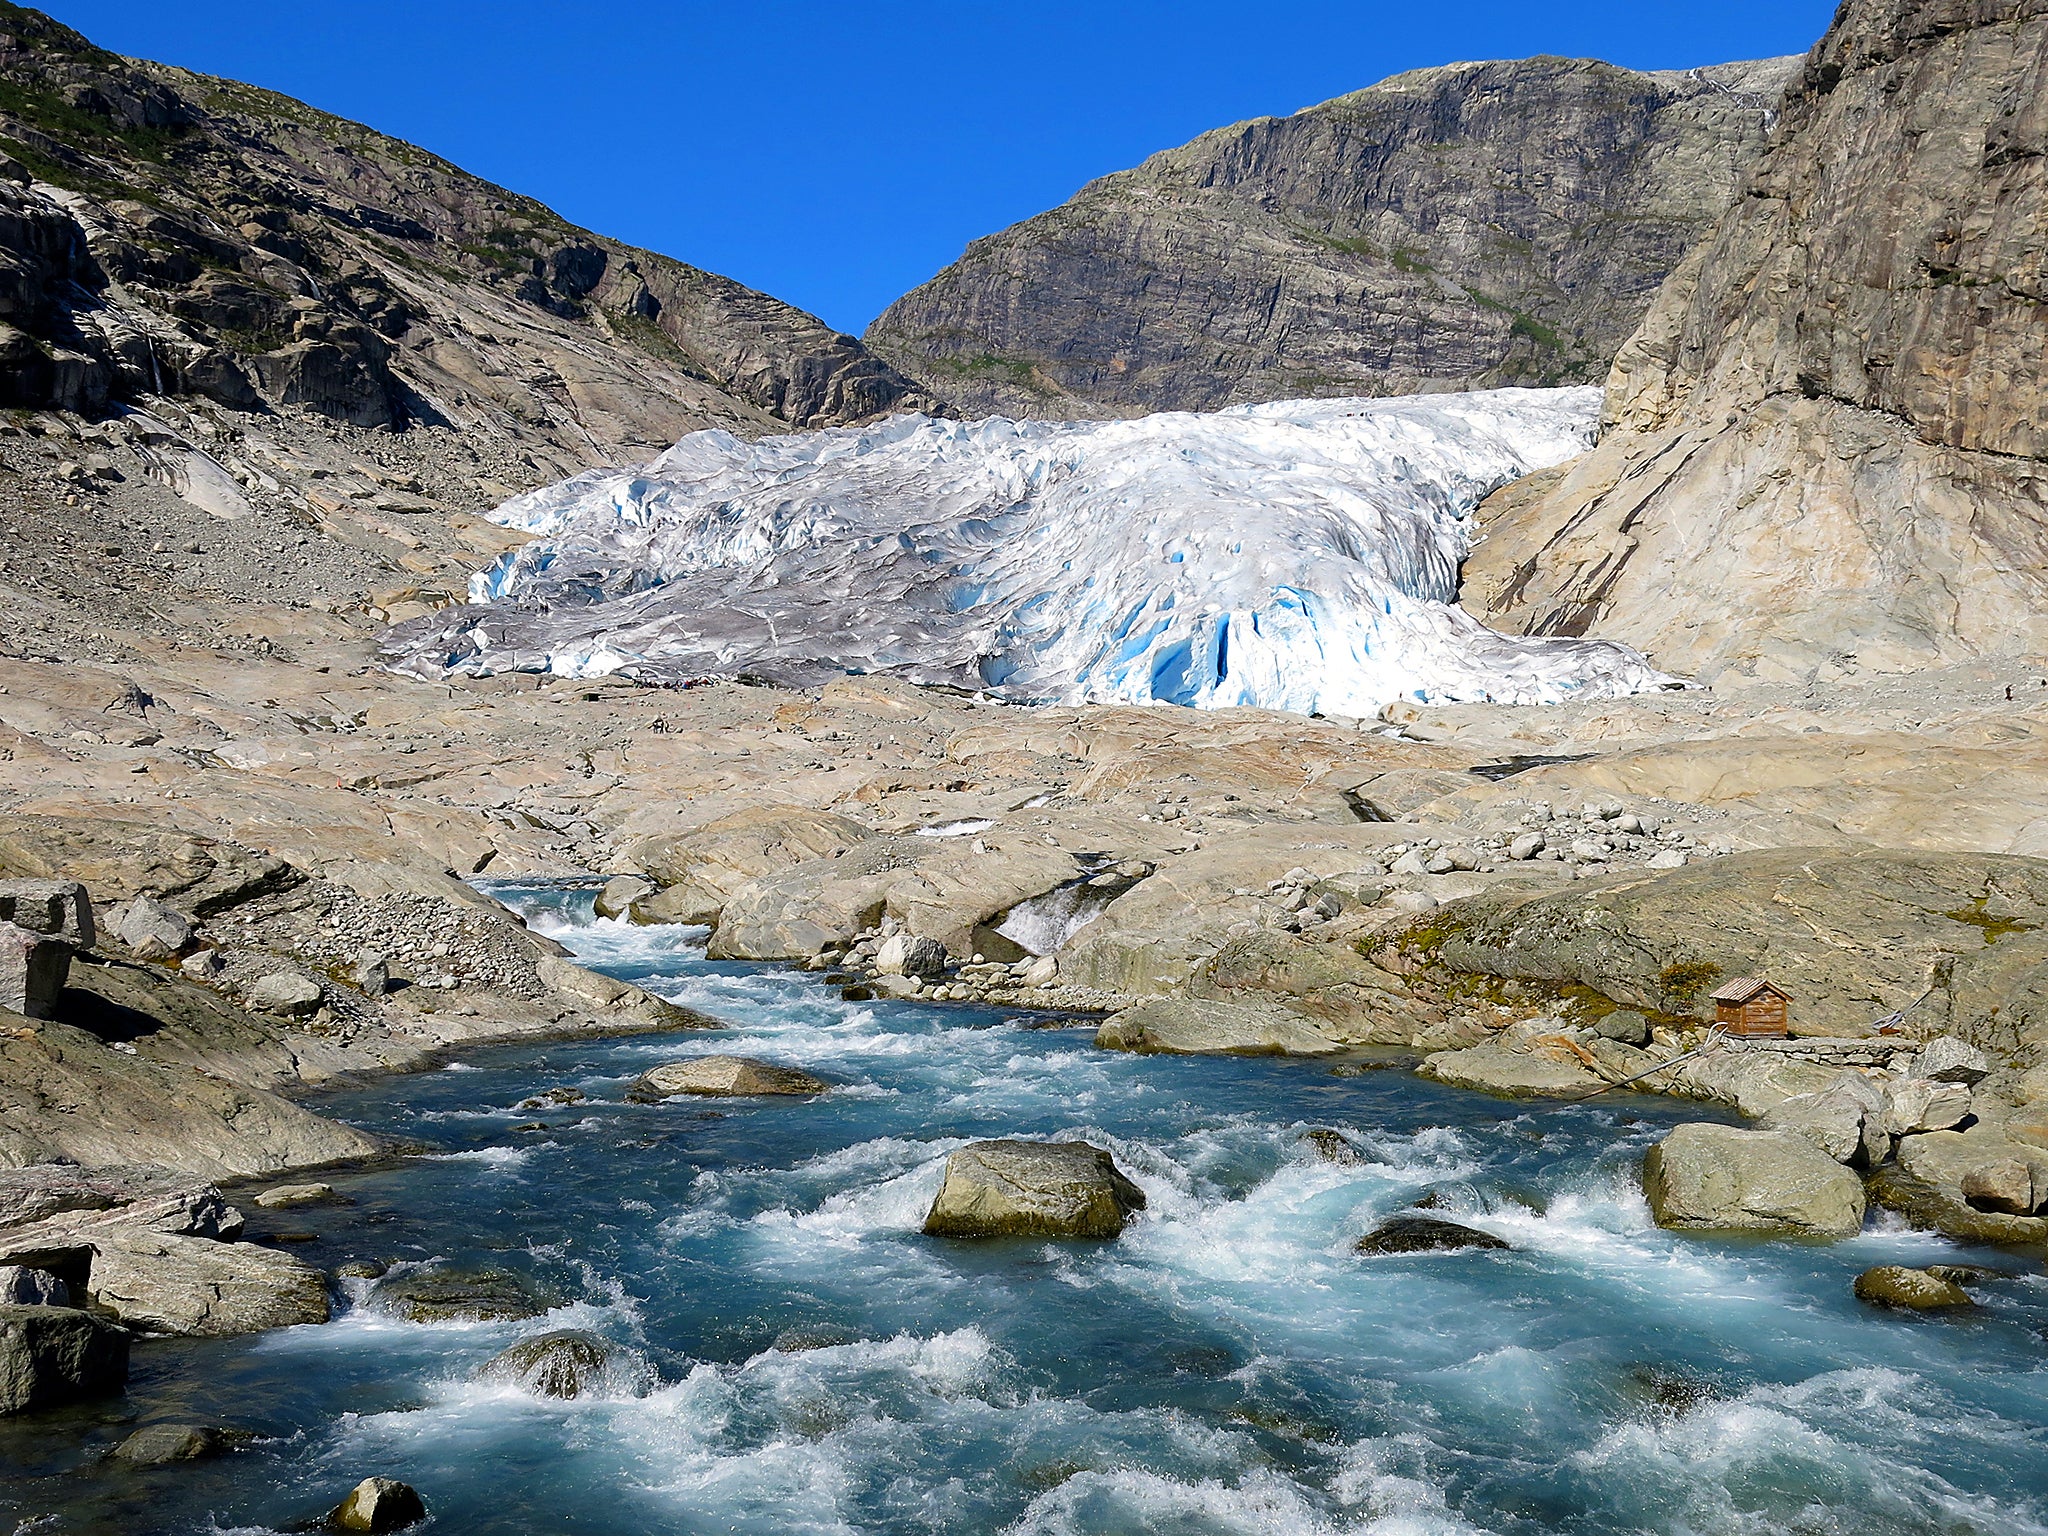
(1302, 555)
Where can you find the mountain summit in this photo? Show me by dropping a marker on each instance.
(1463, 227)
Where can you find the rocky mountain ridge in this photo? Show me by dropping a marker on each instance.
(170, 234)
(1826, 445)
(1462, 227)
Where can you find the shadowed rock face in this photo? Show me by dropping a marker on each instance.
(1452, 228)
(1827, 439)
(171, 233)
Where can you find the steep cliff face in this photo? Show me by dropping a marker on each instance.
(1453, 228)
(166, 233)
(1826, 443)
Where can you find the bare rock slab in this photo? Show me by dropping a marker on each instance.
(1032, 1189)
(1190, 1026)
(52, 1355)
(727, 1077)
(1722, 1178)
(196, 1287)
(1495, 1068)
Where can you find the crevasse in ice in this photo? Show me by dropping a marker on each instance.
(1301, 555)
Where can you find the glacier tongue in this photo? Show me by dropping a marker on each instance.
(1301, 555)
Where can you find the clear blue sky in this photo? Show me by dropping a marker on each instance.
(836, 155)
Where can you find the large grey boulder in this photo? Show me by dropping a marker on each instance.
(2010, 1186)
(1193, 1026)
(1849, 1121)
(727, 1077)
(1919, 1105)
(1032, 1189)
(195, 1287)
(620, 893)
(286, 993)
(150, 930)
(59, 908)
(33, 971)
(1949, 1060)
(903, 954)
(1718, 1177)
(51, 1355)
(378, 1504)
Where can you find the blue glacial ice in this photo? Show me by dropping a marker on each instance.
(1302, 555)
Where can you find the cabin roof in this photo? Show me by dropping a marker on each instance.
(1744, 989)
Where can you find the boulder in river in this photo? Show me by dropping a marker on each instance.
(378, 1504)
(1407, 1233)
(453, 1293)
(192, 1286)
(1720, 1177)
(157, 1445)
(1916, 1290)
(280, 1197)
(620, 892)
(51, 1355)
(1333, 1147)
(567, 1363)
(1032, 1189)
(727, 1077)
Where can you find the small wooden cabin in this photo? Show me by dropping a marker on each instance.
(1751, 1006)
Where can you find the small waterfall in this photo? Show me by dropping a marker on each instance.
(1044, 923)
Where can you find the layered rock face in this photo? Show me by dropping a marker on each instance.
(1453, 228)
(163, 232)
(1826, 443)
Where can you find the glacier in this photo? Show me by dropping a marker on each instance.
(1300, 555)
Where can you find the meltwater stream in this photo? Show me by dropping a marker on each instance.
(1229, 1365)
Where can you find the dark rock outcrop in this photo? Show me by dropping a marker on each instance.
(164, 232)
(1827, 441)
(1453, 228)
(1408, 1233)
(52, 1355)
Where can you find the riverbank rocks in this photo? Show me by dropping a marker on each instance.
(568, 1363)
(1849, 1121)
(150, 930)
(2009, 1186)
(1915, 1290)
(52, 1355)
(1529, 1073)
(1189, 1026)
(1946, 1059)
(1032, 1189)
(286, 993)
(620, 893)
(33, 970)
(727, 1077)
(60, 909)
(1718, 1177)
(1408, 1233)
(378, 1504)
(199, 1288)
(903, 954)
